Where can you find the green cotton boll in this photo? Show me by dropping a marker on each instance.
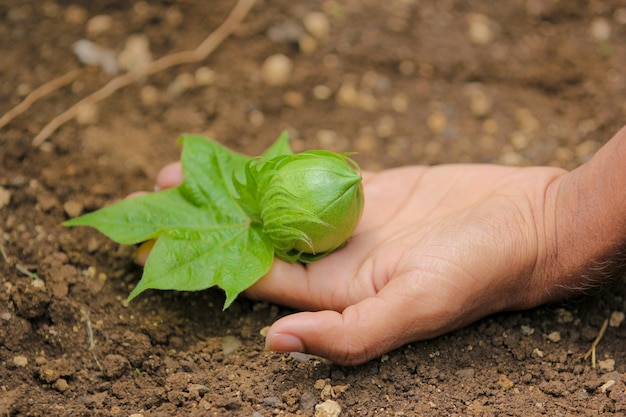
(310, 203)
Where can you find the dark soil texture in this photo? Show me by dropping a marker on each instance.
(520, 82)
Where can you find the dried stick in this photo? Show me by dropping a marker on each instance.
(92, 343)
(592, 349)
(203, 50)
(36, 94)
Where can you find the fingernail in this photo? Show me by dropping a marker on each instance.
(284, 343)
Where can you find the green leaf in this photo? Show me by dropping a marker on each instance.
(145, 217)
(232, 257)
(208, 170)
(204, 237)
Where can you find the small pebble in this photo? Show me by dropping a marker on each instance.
(276, 70)
(198, 388)
(181, 84)
(173, 16)
(511, 159)
(301, 357)
(400, 103)
(307, 402)
(437, 122)
(519, 140)
(617, 317)
(528, 123)
(75, 14)
(504, 382)
(20, 361)
(320, 384)
(6, 316)
(90, 53)
(347, 95)
(607, 365)
(205, 76)
(5, 197)
(136, 53)
(99, 24)
(527, 330)
(73, 208)
(322, 92)
(317, 24)
(564, 316)
(87, 114)
(554, 337)
(479, 29)
(600, 29)
(230, 344)
(480, 104)
(60, 385)
(293, 99)
(38, 283)
(328, 408)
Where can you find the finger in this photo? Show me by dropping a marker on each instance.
(135, 194)
(400, 313)
(349, 338)
(170, 176)
(361, 332)
(331, 283)
(285, 284)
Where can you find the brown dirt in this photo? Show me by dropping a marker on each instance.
(545, 86)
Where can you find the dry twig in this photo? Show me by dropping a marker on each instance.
(92, 343)
(36, 94)
(592, 350)
(3, 252)
(236, 16)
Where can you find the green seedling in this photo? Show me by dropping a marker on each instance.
(232, 214)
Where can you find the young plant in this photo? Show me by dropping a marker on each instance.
(232, 214)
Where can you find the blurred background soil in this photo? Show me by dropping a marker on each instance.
(521, 82)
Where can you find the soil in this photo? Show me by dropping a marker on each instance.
(522, 82)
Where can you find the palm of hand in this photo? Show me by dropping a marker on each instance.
(437, 248)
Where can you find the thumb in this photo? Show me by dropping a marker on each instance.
(361, 332)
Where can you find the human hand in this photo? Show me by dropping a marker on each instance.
(437, 248)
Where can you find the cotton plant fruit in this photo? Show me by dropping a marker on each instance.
(233, 214)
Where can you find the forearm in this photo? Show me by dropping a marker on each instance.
(586, 212)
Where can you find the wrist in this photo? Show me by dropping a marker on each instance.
(585, 215)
